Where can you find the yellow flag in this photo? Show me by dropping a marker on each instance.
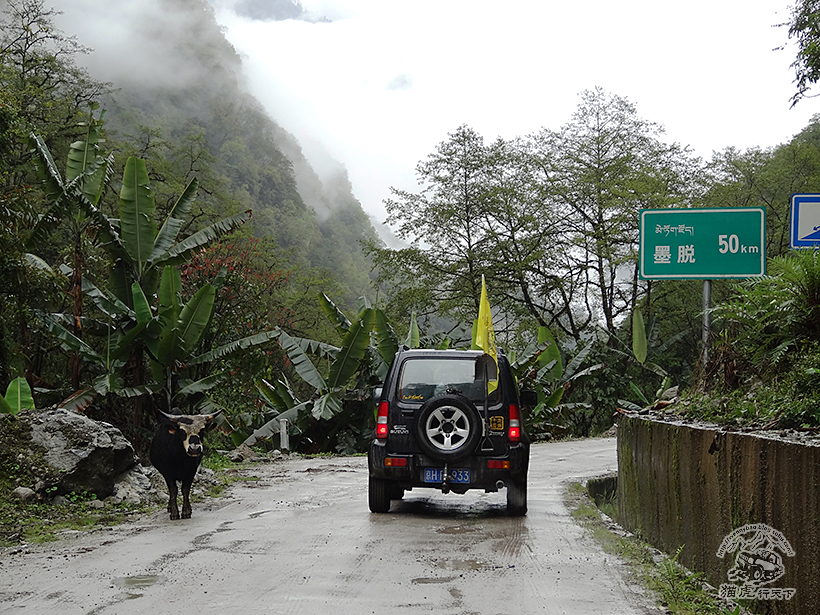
(485, 335)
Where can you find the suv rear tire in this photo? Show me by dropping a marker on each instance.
(517, 498)
(378, 492)
(448, 428)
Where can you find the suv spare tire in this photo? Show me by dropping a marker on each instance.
(448, 427)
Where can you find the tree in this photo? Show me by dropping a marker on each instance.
(804, 26)
(445, 223)
(599, 170)
(41, 81)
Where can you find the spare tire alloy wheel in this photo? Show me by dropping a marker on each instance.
(448, 427)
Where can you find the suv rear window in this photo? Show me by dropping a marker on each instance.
(425, 377)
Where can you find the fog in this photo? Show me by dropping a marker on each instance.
(376, 85)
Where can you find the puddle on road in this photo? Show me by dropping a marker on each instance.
(139, 581)
(432, 580)
(458, 529)
(461, 564)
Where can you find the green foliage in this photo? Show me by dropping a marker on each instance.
(769, 317)
(541, 369)
(804, 27)
(18, 396)
(677, 589)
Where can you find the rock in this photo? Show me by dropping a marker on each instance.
(25, 494)
(75, 454)
(671, 393)
(241, 454)
(133, 487)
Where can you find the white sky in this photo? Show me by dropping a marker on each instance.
(387, 80)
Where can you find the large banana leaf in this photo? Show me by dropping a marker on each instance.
(121, 346)
(173, 223)
(327, 406)
(272, 426)
(551, 353)
(353, 350)
(141, 307)
(194, 318)
(45, 167)
(18, 396)
(413, 338)
(79, 400)
(69, 341)
(337, 317)
(85, 168)
(577, 360)
(137, 226)
(302, 363)
(163, 341)
(170, 287)
(203, 385)
(183, 250)
(387, 342)
(108, 383)
(242, 344)
(106, 302)
(314, 347)
(273, 396)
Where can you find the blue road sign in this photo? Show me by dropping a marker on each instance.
(805, 221)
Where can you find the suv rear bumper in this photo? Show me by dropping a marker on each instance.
(481, 476)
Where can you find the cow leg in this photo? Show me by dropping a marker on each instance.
(186, 502)
(172, 498)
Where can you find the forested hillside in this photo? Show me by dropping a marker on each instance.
(178, 96)
(90, 92)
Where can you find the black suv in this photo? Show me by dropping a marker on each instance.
(438, 427)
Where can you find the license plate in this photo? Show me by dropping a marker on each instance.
(436, 475)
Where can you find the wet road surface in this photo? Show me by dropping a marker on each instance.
(301, 540)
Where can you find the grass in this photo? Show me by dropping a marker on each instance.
(680, 591)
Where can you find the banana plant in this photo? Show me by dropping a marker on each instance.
(170, 333)
(144, 249)
(641, 344)
(353, 369)
(73, 201)
(541, 368)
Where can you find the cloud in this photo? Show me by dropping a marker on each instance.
(402, 81)
(271, 10)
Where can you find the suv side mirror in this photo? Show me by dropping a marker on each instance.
(529, 398)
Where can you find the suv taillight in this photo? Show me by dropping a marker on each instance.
(514, 433)
(381, 421)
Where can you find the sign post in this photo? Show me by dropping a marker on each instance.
(703, 244)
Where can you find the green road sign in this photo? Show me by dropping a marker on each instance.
(703, 244)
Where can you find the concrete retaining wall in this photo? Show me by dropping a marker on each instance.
(682, 485)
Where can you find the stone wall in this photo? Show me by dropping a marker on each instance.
(682, 485)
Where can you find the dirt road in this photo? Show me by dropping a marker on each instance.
(301, 540)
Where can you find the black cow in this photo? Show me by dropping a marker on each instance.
(176, 451)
